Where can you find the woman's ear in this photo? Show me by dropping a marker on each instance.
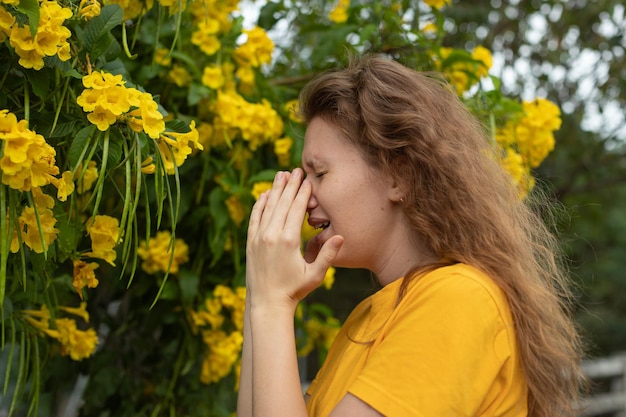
(396, 191)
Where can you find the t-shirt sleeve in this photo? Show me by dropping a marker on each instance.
(442, 350)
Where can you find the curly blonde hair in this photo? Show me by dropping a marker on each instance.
(462, 205)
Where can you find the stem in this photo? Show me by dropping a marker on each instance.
(103, 168)
(4, 250)
(26, 102)
(59, 105)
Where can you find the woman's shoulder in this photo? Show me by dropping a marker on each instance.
(461, 286)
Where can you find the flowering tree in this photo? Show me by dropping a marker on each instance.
(135, 137)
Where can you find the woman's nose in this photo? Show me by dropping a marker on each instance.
(312, 201)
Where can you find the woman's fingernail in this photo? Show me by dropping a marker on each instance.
(279, 176)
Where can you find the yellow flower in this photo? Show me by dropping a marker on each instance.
(340, 13)
(40, 319)
(80, 311)
(179, 75)
(175, 147)
(533, 135)
(84, 276)
(282, 148)
(147, 166)
(88, 9)
(329, 278)
(146, 117)
(156, 253)
(86, 179)
(482, 55)
(65, 185)
(50, 36)
(132, 8)
(41, 199)
(437, 4)
(258, 123)
(162, 57)
(235, 209)
(31, 235)
(463, 74)
(205, 36)
(6, 22)
(213, 77)
(429, 27)
(257, 49)
(99, 80)
(28, 161)
(542, 114)
(245, 74)
(259, 188)
(104, 232)
(292, 107)
(221, 353)
(78, 344)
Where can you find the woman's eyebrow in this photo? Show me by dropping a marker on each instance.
(310, 163)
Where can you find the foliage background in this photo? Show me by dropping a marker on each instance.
(202, 119)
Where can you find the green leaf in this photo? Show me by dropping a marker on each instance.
(100, 26)
(170, 291)
(39, 81)
(115, 148)
(267, 16)
(197, 92)
(265, 175)
(101, 45)
(31, 9)
(67, 238)
(188, 283)
(81, 140)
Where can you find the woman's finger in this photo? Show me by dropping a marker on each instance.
(273, 197)
(287, 190)
(297, 211)
(256, 214)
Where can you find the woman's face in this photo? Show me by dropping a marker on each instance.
(351, 199)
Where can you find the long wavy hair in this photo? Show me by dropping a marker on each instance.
(462, 205)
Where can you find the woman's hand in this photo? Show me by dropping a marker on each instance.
(276, 273)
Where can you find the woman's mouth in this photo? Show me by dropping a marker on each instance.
(322, 226)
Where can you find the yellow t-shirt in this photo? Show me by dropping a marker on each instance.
(447, 349)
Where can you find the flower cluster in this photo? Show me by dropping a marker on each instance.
(133, 8)
(28, 161)
(107, 100)
(77, 344)
(156, 253)
(50, 37)
(437, 4)
(256, 50)
(319, 328)
(36, 224)
(84, 276)
(464, 73)
(256, 123)
(527, 141)
(104, 232)
(212, 18)
(88, 9)
(175, 147)
(340, 12)
(222, 342)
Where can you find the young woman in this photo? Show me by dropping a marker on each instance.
(472, 316)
